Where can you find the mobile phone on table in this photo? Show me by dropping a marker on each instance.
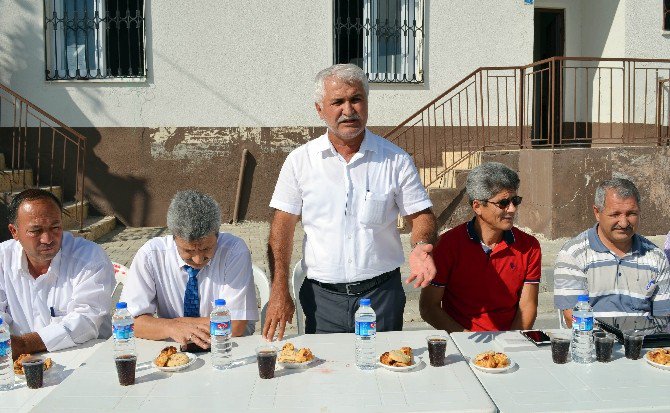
(191, 347)
(539, 337)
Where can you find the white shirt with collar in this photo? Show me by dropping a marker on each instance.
(78, 286)
(156, 280)
(345, 240)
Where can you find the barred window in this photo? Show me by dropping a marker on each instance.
(94, 39)
(383, 37)
(666, 14)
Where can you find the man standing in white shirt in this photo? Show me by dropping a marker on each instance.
(178, 277)
(55, 289)
(348, 185)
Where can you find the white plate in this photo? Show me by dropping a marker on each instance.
(297, 365)
(417, 362)
(192, 358)
(492, 370)
(657, 365)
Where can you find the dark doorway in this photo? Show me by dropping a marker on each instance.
(549, 41)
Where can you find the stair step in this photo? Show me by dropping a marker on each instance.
(71, 212)
(13, 180)
(8, 196)
(95, 227)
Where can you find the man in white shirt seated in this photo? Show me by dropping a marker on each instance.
(55, 289)
(178, 277)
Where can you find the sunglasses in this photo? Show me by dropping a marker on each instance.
(504, 203)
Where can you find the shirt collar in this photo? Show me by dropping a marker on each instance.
(508, 236)
(597, 245)
(323, 145)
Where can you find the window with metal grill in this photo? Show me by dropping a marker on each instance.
(666, 14)
(383, 37)
(94, 39)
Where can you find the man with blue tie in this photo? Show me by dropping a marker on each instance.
(177, 277)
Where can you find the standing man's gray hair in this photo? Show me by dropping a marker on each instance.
(349, 73)
(622, 187)
(193, 215)
(488, 179)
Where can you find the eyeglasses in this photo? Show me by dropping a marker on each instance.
(504, 203)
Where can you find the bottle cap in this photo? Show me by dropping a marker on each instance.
(583, 297)
(121, 305)
(219, 301)
(365, 301)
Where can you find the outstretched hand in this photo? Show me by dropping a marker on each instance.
(280, 311)
(421, 265)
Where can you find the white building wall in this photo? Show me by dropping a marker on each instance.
(251, 63)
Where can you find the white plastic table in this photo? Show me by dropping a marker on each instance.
(332, 384)
(539, 385)
(22, 399)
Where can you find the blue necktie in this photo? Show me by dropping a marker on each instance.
(191, 297)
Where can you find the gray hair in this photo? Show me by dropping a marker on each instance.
(622, 187)
(193, 215)
(488, 179)
(349, 73)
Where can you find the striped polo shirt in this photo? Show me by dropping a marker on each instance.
(636, 284)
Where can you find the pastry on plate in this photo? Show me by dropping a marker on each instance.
(398, 358)
(289, 354)
(492, 360)
(164, 356)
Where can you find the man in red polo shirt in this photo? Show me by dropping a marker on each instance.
(488, 271)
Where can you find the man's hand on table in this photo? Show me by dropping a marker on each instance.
(196, 330)
(280, 311)
(421, 265)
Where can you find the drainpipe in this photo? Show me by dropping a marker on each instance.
(240, 181)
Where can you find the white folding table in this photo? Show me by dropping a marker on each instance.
(536, 384)
(332, 384)
(21, 399)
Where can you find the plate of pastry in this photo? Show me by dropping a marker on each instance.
(171, 360)
(659, 358)
(492, 362)
(399, 360)
(293, 358)
(18, 365)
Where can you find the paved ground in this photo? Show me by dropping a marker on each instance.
(122, 244)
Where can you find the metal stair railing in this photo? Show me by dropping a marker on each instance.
(36, 140)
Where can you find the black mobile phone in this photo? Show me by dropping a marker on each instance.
(538, 337)
(194, 348)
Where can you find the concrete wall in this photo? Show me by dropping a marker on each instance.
(251, 63)
(558, 187)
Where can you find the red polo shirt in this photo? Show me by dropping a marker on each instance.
(482, 287)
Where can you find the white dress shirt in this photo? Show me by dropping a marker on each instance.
(156, 280)
(349, 210)
(78, 286)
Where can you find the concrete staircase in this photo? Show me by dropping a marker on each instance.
(94, 226)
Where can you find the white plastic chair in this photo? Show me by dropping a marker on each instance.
(120, 274)
(296, 282)
(263, 285)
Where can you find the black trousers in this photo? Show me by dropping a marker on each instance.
(330, 312)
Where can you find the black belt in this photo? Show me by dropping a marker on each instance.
(359, 287)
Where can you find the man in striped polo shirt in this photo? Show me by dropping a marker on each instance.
(622, 272)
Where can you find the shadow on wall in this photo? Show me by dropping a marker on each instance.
(22, 60)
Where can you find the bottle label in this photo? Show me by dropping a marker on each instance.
(124, 332)
(5, 348)
(366, 328)
(582, 323)
(219, 329)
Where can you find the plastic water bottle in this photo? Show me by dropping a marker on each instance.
(220, 329)
(583, 347)
(123, 327)
(6, 365)
(366, 330)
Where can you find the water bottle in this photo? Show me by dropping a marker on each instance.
(366, 329)
(6, 365)
(220, 331)
(123, 327)
(583, 347)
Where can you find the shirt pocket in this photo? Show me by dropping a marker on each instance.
(373, 209)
